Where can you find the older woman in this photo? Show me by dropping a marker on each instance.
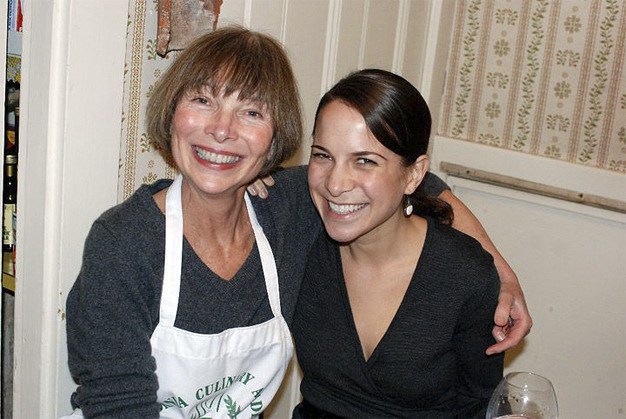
(176, 311)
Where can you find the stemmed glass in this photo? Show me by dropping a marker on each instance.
(523, 395)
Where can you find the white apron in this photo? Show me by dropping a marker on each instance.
(235, 373)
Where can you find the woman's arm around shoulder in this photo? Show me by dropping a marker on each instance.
(512, 319)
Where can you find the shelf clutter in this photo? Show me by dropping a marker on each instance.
(11, 142)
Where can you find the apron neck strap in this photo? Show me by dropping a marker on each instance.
(267, 260)
(174, 252)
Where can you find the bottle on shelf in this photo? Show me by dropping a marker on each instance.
(11, 119)
(9, 201)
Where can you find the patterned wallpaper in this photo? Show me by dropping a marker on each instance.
(140, 162)
(544, 77)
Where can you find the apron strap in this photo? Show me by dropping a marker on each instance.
(174, 250)
(267, 260)
(173, 253)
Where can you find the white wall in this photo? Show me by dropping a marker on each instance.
(571, 262)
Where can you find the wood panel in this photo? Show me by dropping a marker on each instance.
(267, 16)
(382, 29)
(305, 39)
(350, 38)
(415, 43)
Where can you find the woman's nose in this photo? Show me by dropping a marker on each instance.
(339, 180)
(221, 125)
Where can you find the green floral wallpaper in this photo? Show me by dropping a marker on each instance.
(544, 77)
(140, 161)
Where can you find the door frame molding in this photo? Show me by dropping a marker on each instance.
(71, 102)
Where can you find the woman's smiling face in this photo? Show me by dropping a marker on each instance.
(356, 183)
(220, 143)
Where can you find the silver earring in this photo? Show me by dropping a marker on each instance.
(408, 207)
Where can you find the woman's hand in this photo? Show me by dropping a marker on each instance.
(512, 318)
(259, 186)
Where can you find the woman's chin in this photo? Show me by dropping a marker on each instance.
(341, 236)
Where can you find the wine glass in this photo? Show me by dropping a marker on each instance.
(523, 395)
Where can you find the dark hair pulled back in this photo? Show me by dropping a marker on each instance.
(398, 116)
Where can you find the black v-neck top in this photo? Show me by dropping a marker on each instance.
(431, 361)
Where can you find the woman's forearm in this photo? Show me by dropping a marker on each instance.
(512, 319)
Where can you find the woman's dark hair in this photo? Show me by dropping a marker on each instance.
(398, 116)
(228, 60)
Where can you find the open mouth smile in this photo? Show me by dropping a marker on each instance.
(216, 158)
(344, 209)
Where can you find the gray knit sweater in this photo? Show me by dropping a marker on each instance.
(113, 306)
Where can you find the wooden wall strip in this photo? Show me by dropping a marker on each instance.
(510, 182)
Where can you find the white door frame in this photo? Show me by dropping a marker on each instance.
(71, 101)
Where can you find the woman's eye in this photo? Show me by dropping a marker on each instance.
(201, 100)
(319, 155)
(255, 114)
(365, 160)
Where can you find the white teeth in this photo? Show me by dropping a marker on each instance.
(216, 158)
(344, 209)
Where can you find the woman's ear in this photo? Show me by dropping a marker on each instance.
(416, 174)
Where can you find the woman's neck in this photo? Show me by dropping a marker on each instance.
(216, 217)
(403, 235)
(221, 212)
(218, 229)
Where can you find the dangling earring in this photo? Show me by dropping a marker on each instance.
(408, 207)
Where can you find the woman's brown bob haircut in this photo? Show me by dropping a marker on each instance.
(228, 60)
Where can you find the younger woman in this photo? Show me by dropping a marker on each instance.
(396, 307)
